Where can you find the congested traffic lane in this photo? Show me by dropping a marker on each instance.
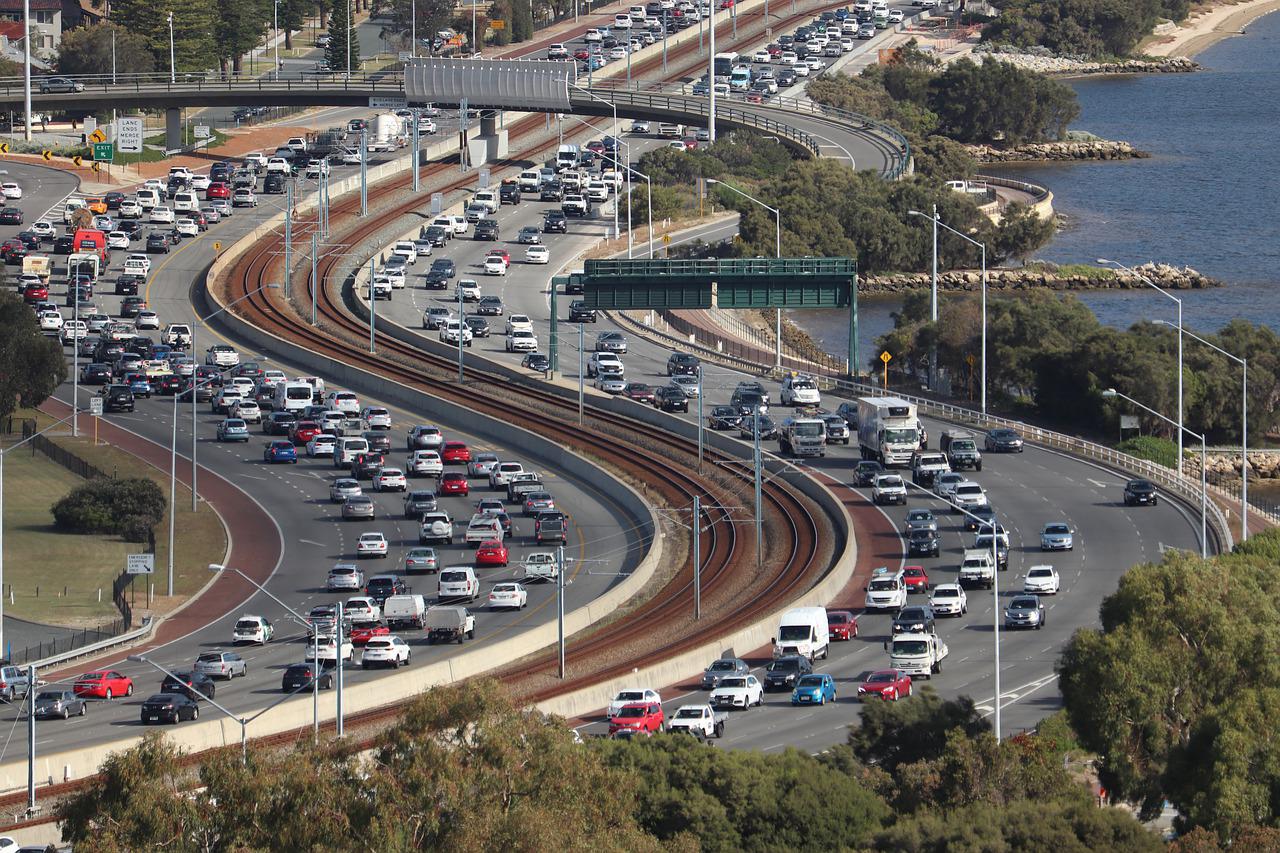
(296, 498)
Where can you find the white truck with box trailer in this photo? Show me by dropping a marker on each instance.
(888, 430)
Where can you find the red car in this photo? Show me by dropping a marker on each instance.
(454, 483)
(492, 553)
(304, 431)
(595, 146)
(582, 54)
(888, 684)
(841, 625)
(455, 453)
(639, 391)
(363, 632)
(103, 684)
(916, 578)
(35, 293)
(690, 142)
(500, 253)
(218, 190)
(639, 716)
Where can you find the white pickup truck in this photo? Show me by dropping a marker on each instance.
(917, 653)
(540, 566)
(976, 568)
(701, 720)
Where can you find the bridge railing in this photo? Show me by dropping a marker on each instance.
(390, 81)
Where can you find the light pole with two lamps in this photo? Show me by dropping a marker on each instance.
(593, 96)
(777, 253)
(933, 301)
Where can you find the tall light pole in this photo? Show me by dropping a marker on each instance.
(593, 96)
(711, 74)
(346, 37)
(933, 303)
(26, 67)
(777, 249)
(1161, 290)
(275, 20)
(413, 31)
(1204, 476)
(173, 67)
(983, 246)
(1244, 426)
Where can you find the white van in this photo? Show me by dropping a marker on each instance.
(887, 590)
(404, 610)
(530, 181)
(803, 631)
(292, 396)
(349, 447)
(185, 201)
(458, 582)
(147, 198)
(316, 383)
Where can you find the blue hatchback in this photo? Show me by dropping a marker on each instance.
(814, 689)
(280, 451)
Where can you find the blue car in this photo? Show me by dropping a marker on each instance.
(139, 384)
(814, 689)
(280, 451)
(233, 429)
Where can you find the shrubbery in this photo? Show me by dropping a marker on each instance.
(1092, 27)
(1161, 451)
(128, 506)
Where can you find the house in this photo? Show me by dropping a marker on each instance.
(46, 25)
(11, 46)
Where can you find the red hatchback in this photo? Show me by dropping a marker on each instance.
(638, 716)
(455, 453)
(103, 684)
(363, 632)
(888, 684)
(492, 553)
(455, 484)
(841, 625)
(915, 578)
(218, 190)
(304, 431)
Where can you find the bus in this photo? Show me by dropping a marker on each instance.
(724, 63)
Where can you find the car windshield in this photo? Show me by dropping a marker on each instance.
(913, 613)
(810, 681)
(883, 585)
(901, 435)
(636, 711)
(247, 625)
(945, 593)
(837, 618)
(910, 647)
(969, 490)
(783, 665)
(1054, 529)
(689, 714)
(734, 682)
(1023, 604)
(793, 632)
(630, 696)
(879, 677)
(452, 577)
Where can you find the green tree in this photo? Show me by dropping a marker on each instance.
(500, 10)
(1094, 27)
(893, 734)
(194, 24)
(1020, 232)
(292, 16)
(344, 46)
(129, 506)
(521, 22)
(92, 50)
(243, 25)
(433, 15)
(997, 101)
(32, 365)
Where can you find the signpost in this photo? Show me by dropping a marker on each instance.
(90, 125)
(104, 151)
(386, 103)
(885, 357)
(140, 564)
(129, 132)
(202, 131)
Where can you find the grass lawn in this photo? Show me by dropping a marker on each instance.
(199, 539)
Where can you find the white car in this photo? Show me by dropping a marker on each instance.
(200, 182)
(541, 566)
(139, 262)
(390, 480)
(252, 629)
(425, 463)
(362, 609)
(611, 384)
(278, 165)
(146, 320)
(737, 691)
(468, 290)
(256, 159)
(187, 228)
(632, 694)
(1042, 580)
(243, 197)
(376, 417)
(800, 69)
(11, 190)
(343, 401)
(323, 444)
(118, 240)
(130, 209)
(371, 545)
(762, 57)
(519, 323)
(508, 595)
(221, 355)
(451, 331)
(639, 126)
(327, 650)
(944, 485)
(495, 266)
(537, 255)
(896, 16)
(73, 330)
(345, 576)
(949, 599)
(407, 249)
(389, 650)
(43, 229)
(248, 410)
(50, 321)
(161, 215)
(968, 495)
(519, 340)
(502, 473)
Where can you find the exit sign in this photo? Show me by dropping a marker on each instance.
(103, 150)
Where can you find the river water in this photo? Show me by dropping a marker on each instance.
(1209, 197)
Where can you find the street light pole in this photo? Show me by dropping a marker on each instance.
(1176, 299)
(711, 75)
(173, 67)
(26, 67)
(1204, 475)
(275, 20)
(244, 723)
(777, 249)
(614, 107)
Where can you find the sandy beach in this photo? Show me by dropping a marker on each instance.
(1206, 28)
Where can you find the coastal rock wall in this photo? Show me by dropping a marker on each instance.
(1163, 275)
(1071, 66)
(1263, 464)
(1091, 149)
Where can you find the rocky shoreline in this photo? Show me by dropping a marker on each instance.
(1075, 66)
(1046, 276)
(1225, 467)
(1038, 152)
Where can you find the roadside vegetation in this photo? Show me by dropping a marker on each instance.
(1049, 358)
(1095, 28)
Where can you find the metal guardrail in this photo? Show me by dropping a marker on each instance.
(93, 648)
(902, 157)
(1036, 191)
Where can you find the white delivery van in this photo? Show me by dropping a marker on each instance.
(803, 631)
(147, 198)
(399, 611)
(185, 201)
(348, 449)
(292, 396)
(458, 583)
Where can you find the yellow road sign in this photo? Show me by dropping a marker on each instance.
(217, 247)
(97, 136)
(4, 148)
(884, 356)
(47, 154)
(97, 167)
(76, 159)
(497, 25)
(666, 239)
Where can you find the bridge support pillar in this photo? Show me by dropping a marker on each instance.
(172, 128)
(491, 143)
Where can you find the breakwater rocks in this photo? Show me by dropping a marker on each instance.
(1264, 465)
(1041, 276)
(1047, 63)
(1035, 152)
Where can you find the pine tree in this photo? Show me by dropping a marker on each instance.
(194, 22)
(343, 42)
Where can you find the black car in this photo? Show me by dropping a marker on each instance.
(298, 677)
(551, 191)
(119, 398)
(63, 245)
(436, 280)
(683, 364)
(917, 618)
(273, 184)
(130, 306)
(187, 683)
(923, 543)
(555, 222)
(445, 266)
(437, 235)
(783, 673)
(486, 229)
(979, 516)
(419, 501)
(379, 440)
(670, 398)
(10, 216)
(490, 306)
(1140, 492)
(382, 587)
(724, 417)
(1002, 440)
(479, 326)
(580, 312)
(279, 423)
(95, 373)
(168, 384)
(157, 244)
(29, 239)
(536, 361)
(509, 194)
(127, 285)
(866, 471)
(169, 708)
